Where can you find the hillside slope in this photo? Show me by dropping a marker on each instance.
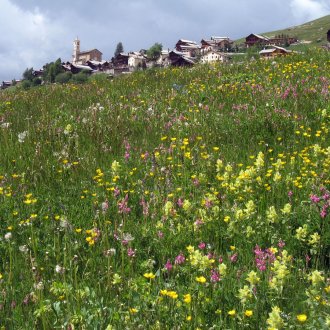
(314, 31)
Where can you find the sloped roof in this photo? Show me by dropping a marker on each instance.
(97, 62)
(82, 67)
(89, 51)
(258, 36)
(187, 41)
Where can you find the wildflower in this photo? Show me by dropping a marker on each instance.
(222, 269)
(22, 136)
(188, 318)
(127, 237)
(232, 313)
(115, 166)
(59, 269)
(190, 249)
(8, 236)
(316, 277)
(301, 233)
(259, 163)
(163, 292)
(105, 206)
(233, 258)
(226, 218)
(315, 199)
(302, 318)
(186, 205)
(180, 259)
(286, 209)
(272, 215)
(168, 208)
(168, 266)
(116, 279)
(23, 249)
(133, 310)
(172, 294)
(219, 165)
(275, 320)
(248, 313)
(201, 245)
(123, 206)
(150, 276)
(131, 252)
(314, 239)
(187, 298)
(215, 276)
(244, 294)
(252, 278)
(201, 279)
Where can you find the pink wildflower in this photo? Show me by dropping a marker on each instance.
(315, 199)
(233, 258)
(131, 252)
(201, 245)
(168, 266)
(215, 276)
(180, 259)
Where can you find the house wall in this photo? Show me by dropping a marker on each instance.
(211, 57)
(88, 56)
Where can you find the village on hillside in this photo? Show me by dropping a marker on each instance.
(185, 53)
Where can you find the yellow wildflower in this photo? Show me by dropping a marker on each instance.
(150, 276)
(248, 313)
(201, 279)
(232, 312)
(302, 318)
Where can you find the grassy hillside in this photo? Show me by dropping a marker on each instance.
(169, 199)
(314, 31)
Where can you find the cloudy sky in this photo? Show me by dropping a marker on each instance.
(34, 32)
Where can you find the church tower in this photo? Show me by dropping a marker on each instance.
(76, 51)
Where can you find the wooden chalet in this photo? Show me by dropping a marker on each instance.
(103, 66)
(120, 60)
(190, 48)
(256, 40)
(282, 40)
(216, 44)
(274, 51)
(180, 59)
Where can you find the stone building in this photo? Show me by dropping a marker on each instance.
(82, 57)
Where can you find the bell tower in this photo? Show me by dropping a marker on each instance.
(76, 50)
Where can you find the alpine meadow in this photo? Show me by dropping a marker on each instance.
(175, 198)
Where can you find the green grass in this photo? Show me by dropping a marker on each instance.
(171, 198)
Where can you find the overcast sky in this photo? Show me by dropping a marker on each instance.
(34, 32)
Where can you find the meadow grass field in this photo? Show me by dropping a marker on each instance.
(169, 199)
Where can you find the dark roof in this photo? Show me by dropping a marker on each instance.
(258, 36)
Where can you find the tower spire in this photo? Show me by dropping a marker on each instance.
(76, 50)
